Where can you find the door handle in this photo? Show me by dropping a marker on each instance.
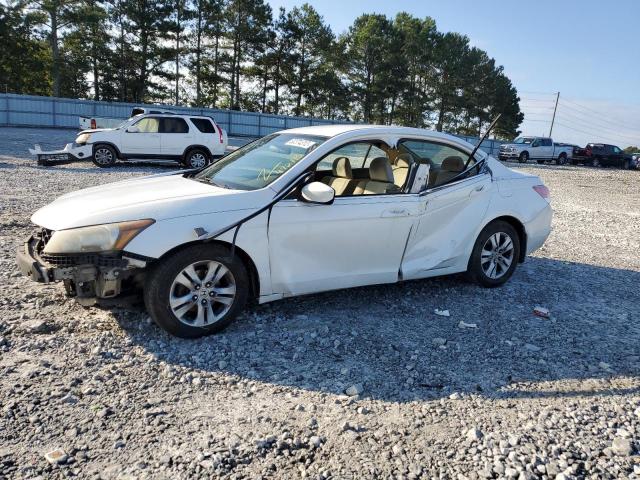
(396, 212)
(476, 189)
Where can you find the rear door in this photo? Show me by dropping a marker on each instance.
(548, 148)
(176, 136)
(143, 142)
(445, 230)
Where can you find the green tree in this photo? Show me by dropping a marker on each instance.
(31, 74)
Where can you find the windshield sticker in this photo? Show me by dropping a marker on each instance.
(300, 142)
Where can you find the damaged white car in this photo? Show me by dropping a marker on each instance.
(296, 212)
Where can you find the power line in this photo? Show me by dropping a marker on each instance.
(582, 131)
(589, 124)
(609, 119)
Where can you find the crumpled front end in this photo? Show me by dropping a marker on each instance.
(70, 153)
(89, 277)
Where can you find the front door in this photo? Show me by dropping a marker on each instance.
(145, 140)
(357, 240)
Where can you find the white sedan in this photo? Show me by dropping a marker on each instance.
(296, 212)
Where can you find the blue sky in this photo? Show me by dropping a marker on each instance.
(588, 50)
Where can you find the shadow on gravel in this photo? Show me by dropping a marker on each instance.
(388, 338)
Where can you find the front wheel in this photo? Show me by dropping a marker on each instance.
(495, 255)
(595, 162)
(104, 156)
(196, 291)
(523, 158)
(626, 165)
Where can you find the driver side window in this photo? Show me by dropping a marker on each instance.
(148, 125)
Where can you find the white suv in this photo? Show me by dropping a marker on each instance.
(189, 139)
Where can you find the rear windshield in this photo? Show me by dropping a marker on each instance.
(204, 125)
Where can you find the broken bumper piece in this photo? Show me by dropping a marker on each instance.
(70, 153)
(89, 277)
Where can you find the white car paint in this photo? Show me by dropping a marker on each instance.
(131, 144)
(298, 247)
(541, 149)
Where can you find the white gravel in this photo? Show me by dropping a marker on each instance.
(362, 383)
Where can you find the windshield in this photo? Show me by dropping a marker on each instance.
(259, 163)
(523, 140)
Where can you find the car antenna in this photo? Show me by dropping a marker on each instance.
(484, 137)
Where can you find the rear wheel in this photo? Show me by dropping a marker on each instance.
(562, 159)
(196, 158)
(495, 255)
(524, 157)
(197, 291)
(104, 156)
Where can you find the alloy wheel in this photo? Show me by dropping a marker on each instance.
(197, 160)
(103, 156)
(202, 293)
(497, 255)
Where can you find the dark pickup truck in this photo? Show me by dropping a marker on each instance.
(602, 155)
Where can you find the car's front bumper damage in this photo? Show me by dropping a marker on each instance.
(70, 153)
(88, 277)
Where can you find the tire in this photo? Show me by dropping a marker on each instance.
(561, 160)
(626, 165)
(595, 162)
(524, 157)
(167, 279)
(104, 156)
(196, 158)
(479, 268)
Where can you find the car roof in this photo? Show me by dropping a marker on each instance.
(339, 129)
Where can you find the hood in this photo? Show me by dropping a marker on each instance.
(96, 130)
(159, 197)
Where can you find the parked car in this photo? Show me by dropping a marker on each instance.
(602, 155)
(189, 139)
(92, 123)
(541, 149)
(296, 212)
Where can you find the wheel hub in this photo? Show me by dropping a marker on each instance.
(202, 293)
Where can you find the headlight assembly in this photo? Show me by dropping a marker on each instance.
(83, 138)
(97, 238)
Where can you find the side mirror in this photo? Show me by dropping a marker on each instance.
(133, 129)
(317, 192)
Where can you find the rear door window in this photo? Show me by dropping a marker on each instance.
(204, 125)
(173, 125)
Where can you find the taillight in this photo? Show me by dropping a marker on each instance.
(542, 190)
(219, 132)
(93, 124)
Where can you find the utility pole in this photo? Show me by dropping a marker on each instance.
(554, 114)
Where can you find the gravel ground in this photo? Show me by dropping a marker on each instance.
(106, 394)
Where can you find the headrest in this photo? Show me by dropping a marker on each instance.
(403, 160)
(380, 170)
(342, 168)
(452, 164)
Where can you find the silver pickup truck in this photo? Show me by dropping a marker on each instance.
(541, 149)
